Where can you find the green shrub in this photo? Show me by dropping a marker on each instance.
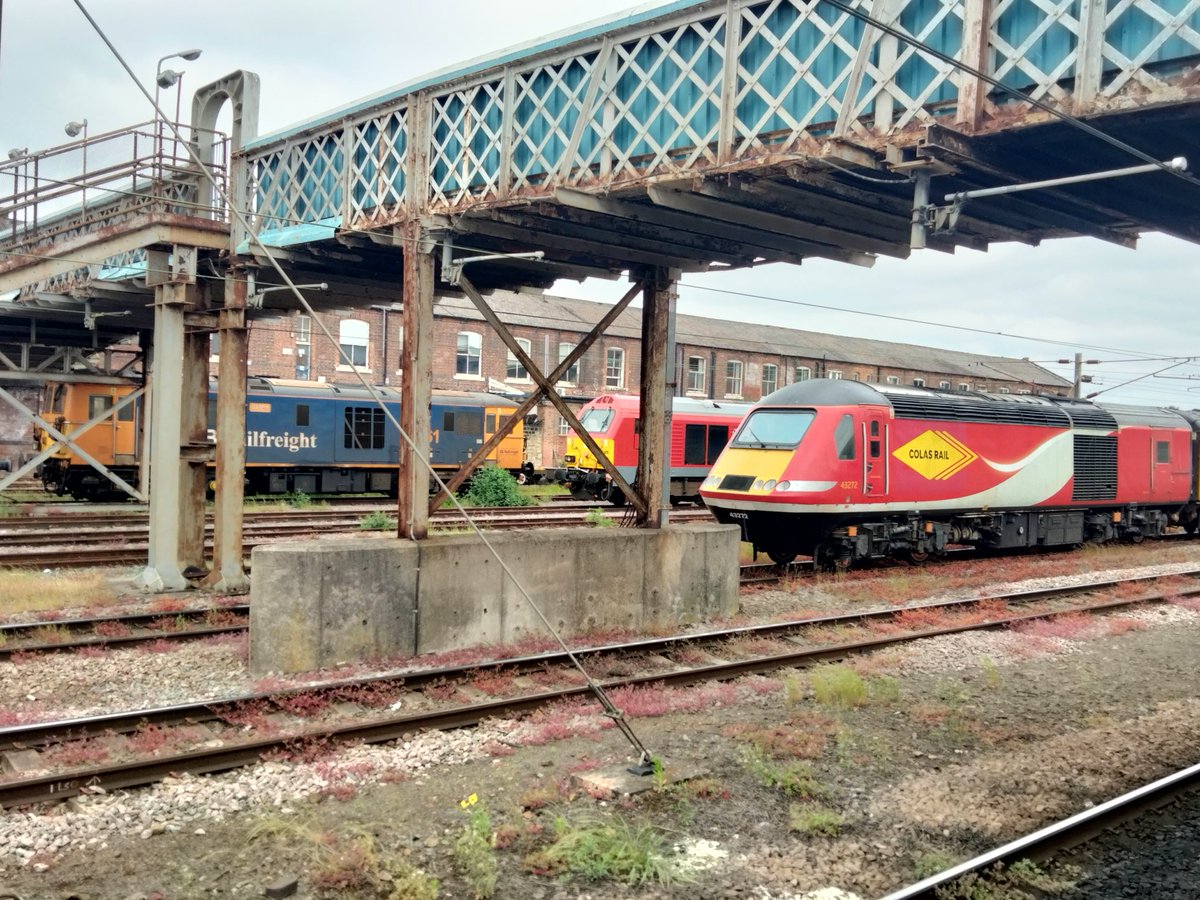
(473, 849)
(795, 779)
(839, 686)
(298, 500)
(633, 854)
(493, 486)
(817, 820)
(597, 518)
(377, 521)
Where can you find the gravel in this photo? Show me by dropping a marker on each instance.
(1070, 722)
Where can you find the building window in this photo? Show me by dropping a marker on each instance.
(614, 368)
(803, 373)
(696, 373)
(770, 378)
(468, 354)
(918, 382)
(516, 371)
(835, 374)
(302, 329)
(857, 376)
(944, 385)
(564, 427)
(733, 378)
(893, 379)
(353, 337)
(571, 376)
(870, 378)
(963, 386)
(1004, 390)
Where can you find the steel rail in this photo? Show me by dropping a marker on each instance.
(49, 732)
(12, 634)
(125, 775)
(1070, 831)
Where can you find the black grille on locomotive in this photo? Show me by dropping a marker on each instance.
(736, 482)
(919, 406)
(1095, 467)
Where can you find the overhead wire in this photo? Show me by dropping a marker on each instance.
(597, 690)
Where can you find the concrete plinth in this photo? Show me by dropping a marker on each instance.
(320, 603)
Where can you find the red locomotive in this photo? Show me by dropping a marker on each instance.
(844, 471)
(700, 429)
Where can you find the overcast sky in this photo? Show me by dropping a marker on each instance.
(1043, 303)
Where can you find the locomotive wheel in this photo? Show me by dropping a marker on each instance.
(917, 557)
(781, 557)
(581, 493)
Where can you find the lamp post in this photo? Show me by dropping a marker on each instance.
(73, 129)
(165, 78)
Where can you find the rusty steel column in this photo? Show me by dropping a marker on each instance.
(164, 571)
(228, 573)
(654, 442)
(194, 448)
(416, 388)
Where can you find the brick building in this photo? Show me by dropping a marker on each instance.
(715, 358)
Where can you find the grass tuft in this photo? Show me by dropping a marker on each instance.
(615, 851)
(25, 592)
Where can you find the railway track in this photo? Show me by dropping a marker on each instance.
(445, 698)
(129, 628)
(1068, 833)
(80, 540)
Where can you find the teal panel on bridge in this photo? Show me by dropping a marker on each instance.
(681, 89)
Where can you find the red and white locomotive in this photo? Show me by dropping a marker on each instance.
(844, 471)
(700, 429)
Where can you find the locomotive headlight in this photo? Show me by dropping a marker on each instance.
(783, 486)
(757, 486)
(770, 485)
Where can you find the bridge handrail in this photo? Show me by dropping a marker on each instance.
(87, 182)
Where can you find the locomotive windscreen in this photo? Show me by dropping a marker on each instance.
(780, 429)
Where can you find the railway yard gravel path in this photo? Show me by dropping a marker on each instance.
(964, 742)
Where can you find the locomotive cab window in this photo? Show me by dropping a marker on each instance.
(596, 420)
(1162, 451)
(776, 429)
(843, 438)
(53, 400)
(98, 403)
(301, 413)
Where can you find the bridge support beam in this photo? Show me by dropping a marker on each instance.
(178, 445)
(416, 388)
(658, 387)
(228, 573)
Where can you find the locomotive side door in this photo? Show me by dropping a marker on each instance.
(875, 453)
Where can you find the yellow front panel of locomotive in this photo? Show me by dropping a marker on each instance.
(764, 465)
(582, 457)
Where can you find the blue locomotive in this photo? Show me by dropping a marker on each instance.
(301, 437)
